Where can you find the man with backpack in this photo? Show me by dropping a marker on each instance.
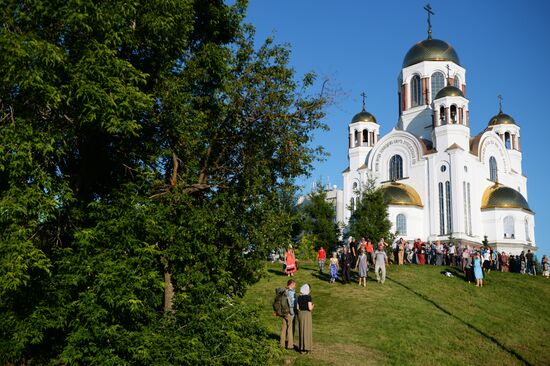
(283, 306)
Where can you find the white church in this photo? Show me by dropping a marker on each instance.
(440, 179)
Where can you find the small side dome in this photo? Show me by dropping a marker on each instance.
(430, 50)
(499, 196)
(401, 194)
(363, 116)
(502, 119)
(449, 91)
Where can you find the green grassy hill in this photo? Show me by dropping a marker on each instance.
(418, 317)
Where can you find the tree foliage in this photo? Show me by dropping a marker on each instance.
(144, 146)
(317, 219)
(370, 217)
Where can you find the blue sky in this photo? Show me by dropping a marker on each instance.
(359, 46)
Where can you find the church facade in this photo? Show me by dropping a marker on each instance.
(441, 180)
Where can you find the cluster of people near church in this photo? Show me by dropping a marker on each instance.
(362, 255)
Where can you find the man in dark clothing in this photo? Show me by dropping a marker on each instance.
(347, 262)
(530, 266)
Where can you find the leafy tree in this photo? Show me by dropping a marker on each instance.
(370, 217)
(318, 218)
(145, 151)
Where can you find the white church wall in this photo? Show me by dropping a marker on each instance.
(414, 219)
(499, 234)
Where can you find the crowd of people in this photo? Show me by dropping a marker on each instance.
(362, 255)
(475, 262)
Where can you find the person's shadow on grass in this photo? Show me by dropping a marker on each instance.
(277, 272)
(321, 276)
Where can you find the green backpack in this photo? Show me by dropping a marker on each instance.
(280, 304)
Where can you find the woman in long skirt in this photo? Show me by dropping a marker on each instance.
(305, 324)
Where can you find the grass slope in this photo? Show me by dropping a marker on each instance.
(418, 317)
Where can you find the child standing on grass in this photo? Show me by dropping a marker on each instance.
(362, 267)
(333, 268)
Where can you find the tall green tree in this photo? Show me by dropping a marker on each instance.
(318, 218)
(370, 217)
(145, 148)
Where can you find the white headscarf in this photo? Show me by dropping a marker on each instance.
(304, 290)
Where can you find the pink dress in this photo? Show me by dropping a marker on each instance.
(290, 261)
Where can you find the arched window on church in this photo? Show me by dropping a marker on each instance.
(396, 167)
(442, 117)
(416, 91)
(356, 138)
(438, 82)
(456, 82)
(508, 224)
(401, 224)
(508, 140)
(453, 114)
(527, 236)
(365, 136)
(352, 204)
(493, 171)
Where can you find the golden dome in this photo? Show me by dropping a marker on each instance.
(502, 119)
(449, 91)
(401, 194)
(430, 50)
(499, 196)
(363, 116)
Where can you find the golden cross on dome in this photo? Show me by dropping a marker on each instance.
(500, 102)
(428, 8)
(364, 95)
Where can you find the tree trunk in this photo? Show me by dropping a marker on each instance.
(168, 290)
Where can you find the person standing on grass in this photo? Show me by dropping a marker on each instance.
(380, 262)
(451, 252)
(478, 272)
(321, 258)
(305, 324)
(352, 252)
(530, 263)
(408, 252)
(370, 252)
(363, 267)
(545, 264)
(290, 261)
(287, 329)
(395, 251)
(458, 256)
(347, 262)
(468, 270)
(522, 262)
(333, 267)
(401, 251)
(422, 255)
(503, 262)
(494, 260)
(438, 253)
(486, 254)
